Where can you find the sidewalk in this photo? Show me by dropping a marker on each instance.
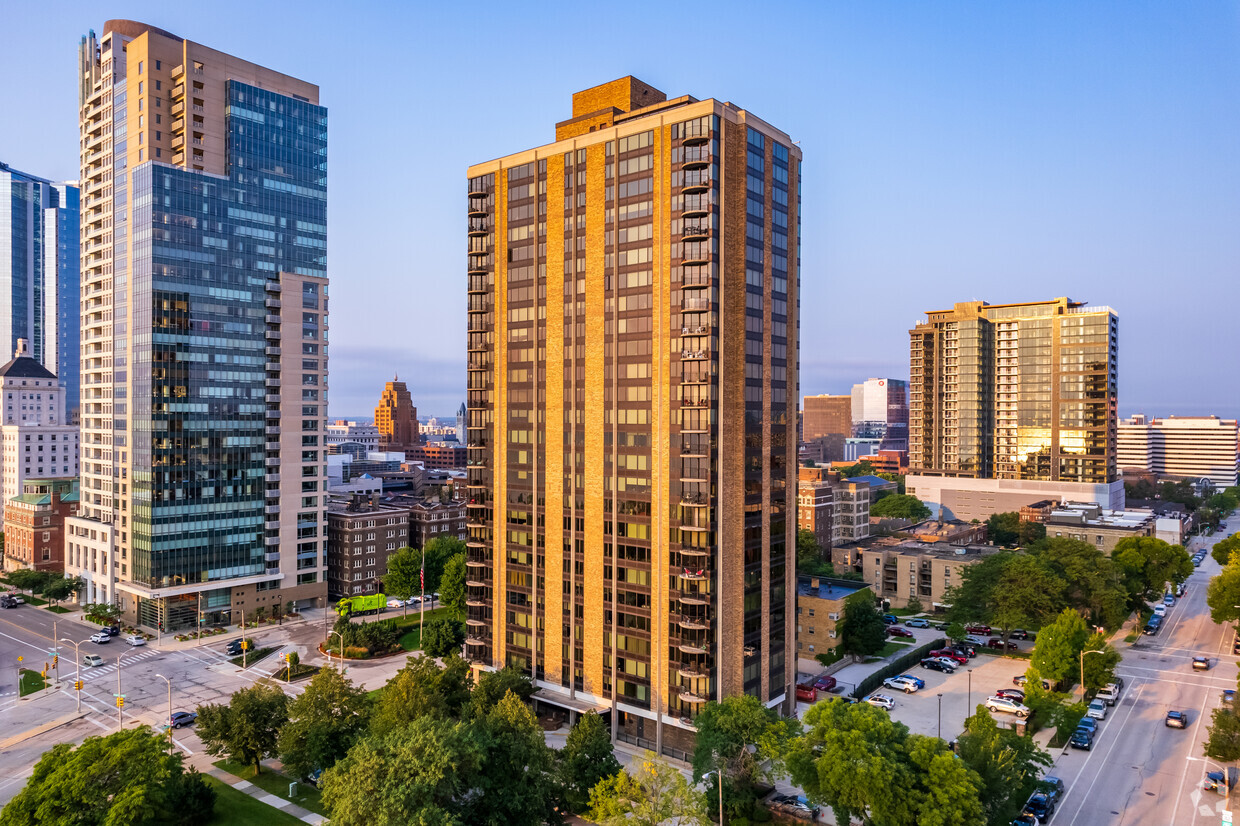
(206, 764)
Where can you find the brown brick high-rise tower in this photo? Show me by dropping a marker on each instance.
(632, 380)
(396, 418)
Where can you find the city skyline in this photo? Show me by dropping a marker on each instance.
(1064, 153)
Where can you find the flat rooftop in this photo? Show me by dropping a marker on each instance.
(828, 588)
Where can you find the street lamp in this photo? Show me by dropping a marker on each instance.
(940, 726)
(77, 681)
(169, 682)
(1083, 653)
(329, 652)
(968, 711)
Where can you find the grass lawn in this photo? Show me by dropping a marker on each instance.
(234, 808)
(31, 682)
(252, 657)
(888, 649)
(276, 784)
(33, 600)
(56, 609)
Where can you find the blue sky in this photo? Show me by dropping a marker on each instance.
(953, 151)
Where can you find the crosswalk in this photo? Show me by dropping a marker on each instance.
(109, 666)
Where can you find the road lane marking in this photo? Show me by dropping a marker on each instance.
(1201, 713)
(1114, 740)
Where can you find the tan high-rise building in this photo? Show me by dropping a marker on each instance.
(631, 418)
(397, 418)
(1015, 391)
(203, 332)
(827, 416)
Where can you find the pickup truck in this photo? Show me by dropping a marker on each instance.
(1109, 694)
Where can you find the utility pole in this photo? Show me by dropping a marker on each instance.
(169, 682)
(422, 594)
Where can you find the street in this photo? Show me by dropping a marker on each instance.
(1140, 771)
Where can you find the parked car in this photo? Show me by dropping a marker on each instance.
(1176, 719)
(313, 777)
(100, 637)
(1168, 600)
(1235, 646)
(937, 665)
(394, 603)
(1043, 802)
(1152, 627)
(920, 682)
(113, 630)
(951, 654)
(1096, 709)
(917, 622)
(1011, 694)
(183, 718)
(1082, 738)
(1160, 610)
(1214, 781)
(896, 631)
(1180, 589)
(980, 630)
(1201, 663)
(806, 693)
(902, 684)
(882, 701)
(412, 601)
(1088, 722)
(997, 642)
(1019, 634)
(7, 601)
(135, 640)
(1109, 694)
(967, 650)
(91, 660)
(997, 703)
(1020, 679)
(1025, 819)
(890, 619)
(824, 683)
(951, 664)
(1228, 697)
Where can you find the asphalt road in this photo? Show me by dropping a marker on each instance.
(1140, 772)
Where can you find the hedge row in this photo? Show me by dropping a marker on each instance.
(897, 666)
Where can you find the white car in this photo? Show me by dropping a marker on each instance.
(1097, 709)
(135, 639)
(414, 601)
(882, 701)
(394, 603)
(951, 664)
(995, 703)
(905, 684)
(100, 637)
(1160, 610)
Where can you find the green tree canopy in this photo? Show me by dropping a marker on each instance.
(744, 738)
(519, 784)
(27, 579)
(1008, 764)
(1025, 593)
(442, 636)
(1008, 530)
(493, 686)
(971, 600)
(1224, 548)
(438, 551)
(649, 793)
(900, 506)
(1147, 564)
(422, 688)
(1058, 646)
(1099, 668)
(402, 577)
(1225, 503)
(1223, 594)
(248, 728)
(862, 630)
(586, 760)
(1224, 735)
(324, 722)
(61, 587)
(452, 586)
(124, 779)
(811, 561)
(1092, 584)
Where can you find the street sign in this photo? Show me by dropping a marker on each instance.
(1226, 818)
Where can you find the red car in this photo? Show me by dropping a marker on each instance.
(824, 683)
(1011, 694)
(895, 631)
(996, 642)
(980, 630)
(951, 654)
(806, 693)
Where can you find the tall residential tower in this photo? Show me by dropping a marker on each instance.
(203, 330)
(632, 386)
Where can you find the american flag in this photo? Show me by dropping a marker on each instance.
(422, 579)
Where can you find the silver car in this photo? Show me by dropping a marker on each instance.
(996, 703)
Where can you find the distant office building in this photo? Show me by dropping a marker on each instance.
(397, 418)
(204, 328)
(968, 499)
(641, 563)
(1019, 393)
(356, 433)
(39, 267)
(361, 535)
(34, 522)
(432, 518)
(1181, 447)
(36, 439)
(815, 506)
(880, 411)
(439, 455)
(829, 418)
(888, 461)
(855, 449)
(851, 509)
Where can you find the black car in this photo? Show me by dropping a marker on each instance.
(1019, 634)
(934, 665)
(965, 650)
(114, 630)
(233, 649)
(1151, 628)
(183, 718)
(1041, 806)
(7, 601)
(1082, 738)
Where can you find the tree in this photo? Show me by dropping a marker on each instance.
(27, 579)
(438, 551)
(810, 558)
(1224, 548)
(914, 606)
(402, 579)
(422, 688)
(649, 793)
(410, 775)
(1147, 564)
(862, 630)
(248, 728)
(1003, 528)
(123, 779)
(62, 587)
(1223, 594)
(970, 600)
(955, 631)
(324, 722)
(518, 784)
(1223, 743)
(493, 686)
(586, 759)
(1008, 764)
(1091, 582)
(1058, 646)
(1099, 668)
(900, 506)
(1025, 593)
(452, 586)
(442, 636)
(744, 739)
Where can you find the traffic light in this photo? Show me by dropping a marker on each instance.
(245, 645)
(55, 660)
(77, 685)
(120, 702)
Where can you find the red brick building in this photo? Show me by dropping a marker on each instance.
(34, 524)
(441, 456)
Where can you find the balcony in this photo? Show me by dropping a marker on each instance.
(695, 232)
(273, 398)
(178, 71)
(272, 351)
(272, 461)
(272, 382)
(178, 141)
(696, 181)
(272, 303)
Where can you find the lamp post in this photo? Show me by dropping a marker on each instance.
(169, 682)
(940, 726)
(1083, 653)
(968, 711)
(77, 681)
(329, 654)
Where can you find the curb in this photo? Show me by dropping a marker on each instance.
(43, 729)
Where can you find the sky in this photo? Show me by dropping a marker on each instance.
(953, 151)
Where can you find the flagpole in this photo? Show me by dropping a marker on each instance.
(422, 591)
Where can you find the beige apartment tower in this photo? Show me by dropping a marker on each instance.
(203, 332)
(632, 385)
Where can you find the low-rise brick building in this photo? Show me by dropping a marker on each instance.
(901, 571)
(820, 607)
(34, 523)
(361, 535)
(431, 518)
